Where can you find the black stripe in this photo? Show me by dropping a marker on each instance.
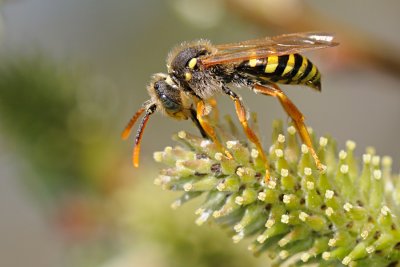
(315, 76)
(306, 71)
(298, 60)
(282, 63)
(260, 67)
(256, 70)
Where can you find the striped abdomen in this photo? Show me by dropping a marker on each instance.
(287, 69)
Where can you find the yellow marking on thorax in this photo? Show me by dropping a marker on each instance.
(253, 62)
(192, 63)
(311, 74)
(301, 69)
(289, 65)
(272, 64)
(169, 81)
(188, 76)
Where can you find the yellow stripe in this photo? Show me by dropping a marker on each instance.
(301, 69)
(272, 64)
(311, 74)
(289, 65)
(317, 77)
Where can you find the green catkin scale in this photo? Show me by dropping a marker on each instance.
(346, 215)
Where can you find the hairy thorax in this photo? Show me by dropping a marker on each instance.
(185, 68)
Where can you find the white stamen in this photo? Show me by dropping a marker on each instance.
(346, 260)
(176, 204)
(158, 156)
(205, 143)
(286, 199)
(377, 174)
(367, 158)
(351, 145)
(342, 154)
(326, 255)
(329, 211)
(283, 242)
(182, 134)
(310, 185)
(279, 153)
(261, 196)
(283, 254)
(364, 234)
(231, 144)
(218, 156)
(238, 227)
(332, 242)
(385, 210)
(254, 153)
(239, 200)
(271, 184)
(285, 218)
(329, 194)
(303, 216)
(221, 186)
(187, 187)
(376, 160)
(217, 214)
(203, 218)
(261, 239)
(323, 141)
(270, 223)
(238, 237)
(347, 206)
(304, 149)
(387, 161)
(240, 171)
(370, 249)
(291, 130)
(305, 257)
(281, 138)
(344, 168)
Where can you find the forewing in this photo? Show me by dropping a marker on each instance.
(269, 46)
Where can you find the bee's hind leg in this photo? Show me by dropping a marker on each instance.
(271, 89)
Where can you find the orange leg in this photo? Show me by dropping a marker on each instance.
(214, 106)
(242, 115)
(297, 117)
(201, 112)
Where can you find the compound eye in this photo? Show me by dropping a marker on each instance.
(168, 96)
(169, 104)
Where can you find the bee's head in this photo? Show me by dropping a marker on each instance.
(167, 96)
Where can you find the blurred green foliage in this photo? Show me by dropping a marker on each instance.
(36, 100)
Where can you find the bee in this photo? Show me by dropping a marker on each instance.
(197, 71)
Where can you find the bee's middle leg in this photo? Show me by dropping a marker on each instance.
(242, 115)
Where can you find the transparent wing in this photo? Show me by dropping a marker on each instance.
(268, 46)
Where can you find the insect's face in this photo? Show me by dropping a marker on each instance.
(167, 96)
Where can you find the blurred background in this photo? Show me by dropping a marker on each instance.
(72, 73)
